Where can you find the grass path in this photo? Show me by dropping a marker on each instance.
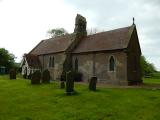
(19, 100)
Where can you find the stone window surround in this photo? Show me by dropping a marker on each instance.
(114, 63)
(51, 61)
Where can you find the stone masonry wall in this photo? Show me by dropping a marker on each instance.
(97, 64)
(55, 71)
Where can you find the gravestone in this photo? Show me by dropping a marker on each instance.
(12, 74)
(69, 83)
(92, 83)
(46, 76)
(36, 77)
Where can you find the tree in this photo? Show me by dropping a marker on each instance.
(6, 59)
(57, 32)
(147, 68)
(92, 31)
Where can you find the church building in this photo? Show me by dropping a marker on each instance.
(112, 56)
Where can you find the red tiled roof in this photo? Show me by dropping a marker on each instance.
(109, 40)
(52, 45)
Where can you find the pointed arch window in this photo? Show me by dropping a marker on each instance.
(52, 61)
(76, 64)
(111, 64)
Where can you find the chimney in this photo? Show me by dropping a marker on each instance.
(80, 25)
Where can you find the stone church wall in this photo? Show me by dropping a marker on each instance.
(55, 71)
(97, 64)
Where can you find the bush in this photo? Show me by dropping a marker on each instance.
(92, 83)
(46, 76)
(36, 77)
(12, 74)
(69, 83)
(155, 75)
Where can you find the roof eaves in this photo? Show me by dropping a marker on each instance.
(36, 46)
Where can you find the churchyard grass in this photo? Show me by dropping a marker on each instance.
(152, 81)
(19, 100)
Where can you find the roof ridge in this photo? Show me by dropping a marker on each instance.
(109, 31)
(108, 40)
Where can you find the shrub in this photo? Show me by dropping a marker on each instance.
(12, 74)
(36, 77)
(46, 76)
(92, 83)
(78, 76)
(69, 83)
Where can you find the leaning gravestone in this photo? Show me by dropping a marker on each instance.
(36, 77)
(69, 83)
(12, 74)
(46, 76)
(92, 83)
(62, 82)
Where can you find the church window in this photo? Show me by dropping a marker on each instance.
(52, 61)
(111, 64)
(76, 64)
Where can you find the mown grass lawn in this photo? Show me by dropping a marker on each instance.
(151, 81)
(19, 100)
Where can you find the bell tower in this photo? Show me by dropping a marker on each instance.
(80, 25)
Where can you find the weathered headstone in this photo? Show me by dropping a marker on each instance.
(12, 74)
(92, 83)
(78, 76)
(36, 77)
(25, 76)
(62, 82)
(69, 83)
(46, 76)
(29, 76)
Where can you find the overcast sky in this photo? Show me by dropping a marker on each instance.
(24, 23)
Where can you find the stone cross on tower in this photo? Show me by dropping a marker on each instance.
(133, 21)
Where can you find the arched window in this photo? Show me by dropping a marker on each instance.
(111, 64)
(52, 61)
(76, 64)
